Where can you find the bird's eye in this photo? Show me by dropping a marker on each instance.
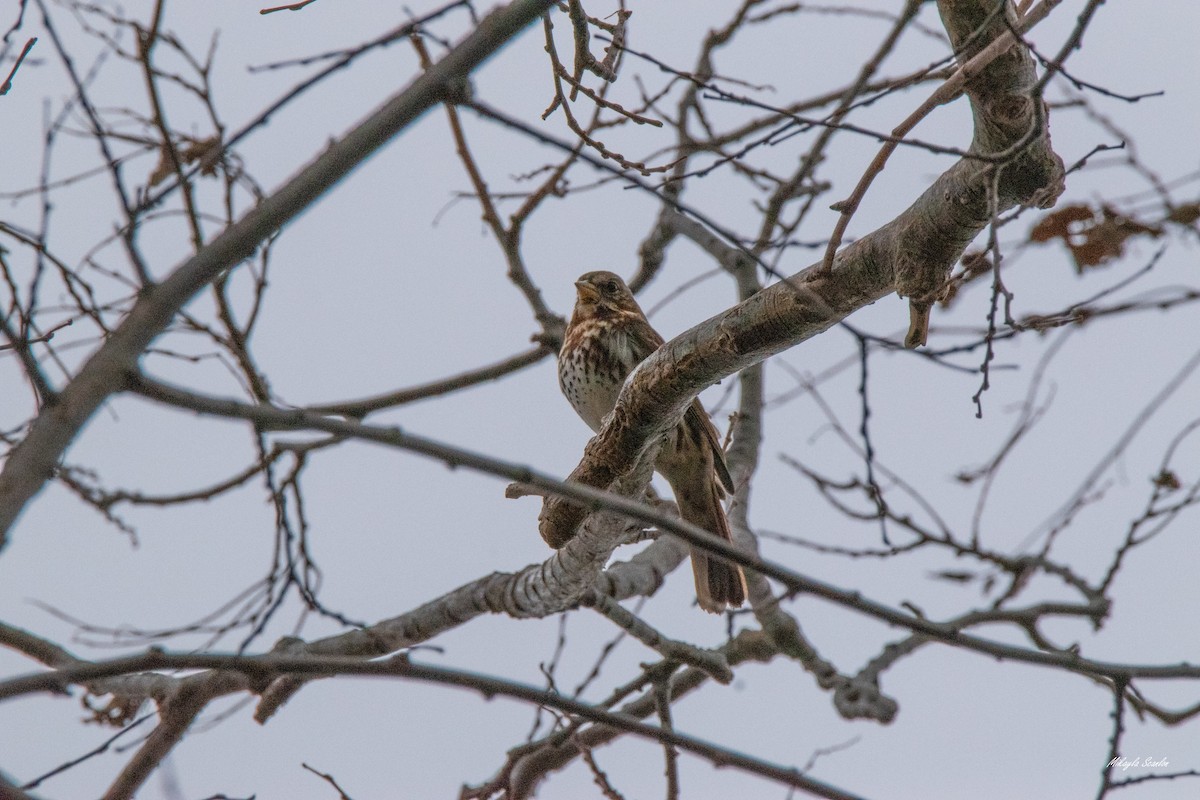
(611, 287)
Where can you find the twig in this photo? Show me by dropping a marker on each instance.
(325, 776)
(8, 81)
(464, 380)
(290, 7)
(710, 661)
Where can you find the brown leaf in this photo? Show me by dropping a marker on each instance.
(1093, 237)
(206, 151)
(1106, 239)
(163, 170)
(974, 264)
(1185, 214)
(1056, 225)
(1167, 480)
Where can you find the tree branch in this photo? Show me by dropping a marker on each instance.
(255, 670)
(33, 462)
(911, 254)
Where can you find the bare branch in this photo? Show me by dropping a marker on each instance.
(32, 462)
(6, 86)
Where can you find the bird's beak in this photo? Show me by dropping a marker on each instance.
(586, 292)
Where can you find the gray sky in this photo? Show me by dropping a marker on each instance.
(390, 281)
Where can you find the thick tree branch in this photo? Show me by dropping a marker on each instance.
(911, 254)
(558, 583)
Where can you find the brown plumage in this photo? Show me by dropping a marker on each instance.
(607, 337)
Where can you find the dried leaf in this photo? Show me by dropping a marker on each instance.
(1056, 225)
(163, 170)
(206, 151)
(1167, 480)
(1185, 215)
(1093, 236)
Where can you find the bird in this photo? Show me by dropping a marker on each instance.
(606, 338)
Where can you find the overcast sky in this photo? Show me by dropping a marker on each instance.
(391, 280)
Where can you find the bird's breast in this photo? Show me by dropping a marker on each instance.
(592, 367)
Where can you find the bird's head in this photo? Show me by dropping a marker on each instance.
(601, 292)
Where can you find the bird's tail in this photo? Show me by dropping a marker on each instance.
(718, 582)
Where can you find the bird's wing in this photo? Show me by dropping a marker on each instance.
(697, 418)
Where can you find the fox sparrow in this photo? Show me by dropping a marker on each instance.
(607, 337)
